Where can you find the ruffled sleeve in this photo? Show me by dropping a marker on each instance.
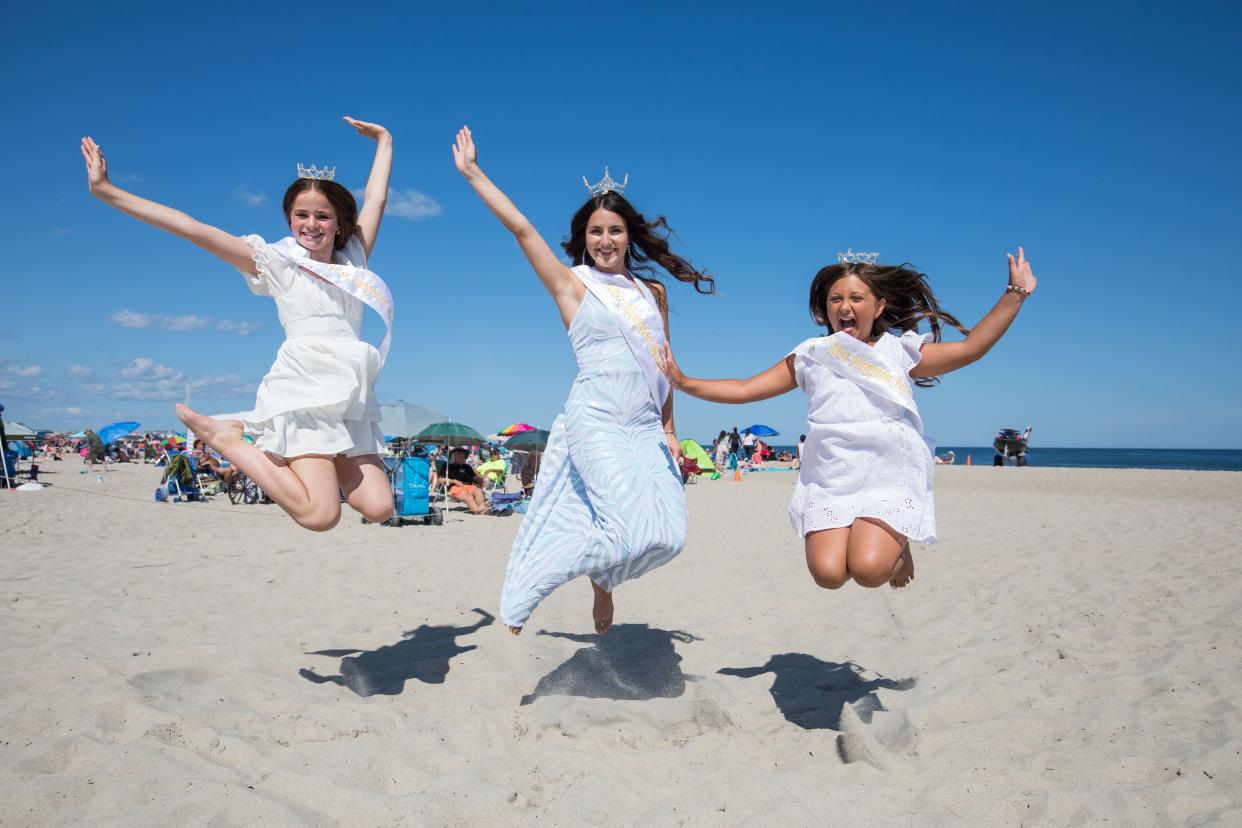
(912, 343)
(270, 279)
(799, 355)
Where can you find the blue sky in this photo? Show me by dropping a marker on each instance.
(1103, 139)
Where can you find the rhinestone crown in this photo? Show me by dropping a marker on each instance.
(317, 173)
(606, 185)
(850, 257)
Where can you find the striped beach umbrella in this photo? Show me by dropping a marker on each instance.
(516, 428)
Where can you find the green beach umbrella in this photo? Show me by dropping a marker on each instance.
(450, 432)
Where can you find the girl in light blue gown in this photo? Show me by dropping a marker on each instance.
(609, 502)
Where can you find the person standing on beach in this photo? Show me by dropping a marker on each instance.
(96, 452)
(609, 503)
(316, 418)
(864, 489)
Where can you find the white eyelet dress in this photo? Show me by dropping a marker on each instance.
(319, 395)
(864, 454)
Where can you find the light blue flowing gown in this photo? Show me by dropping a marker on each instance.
(609, 502)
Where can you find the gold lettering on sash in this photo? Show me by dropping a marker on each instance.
(632, 315)
(871, 369)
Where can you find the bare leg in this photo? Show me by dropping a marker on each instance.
(875, 554)
(602, 610)
(826, 557)
(305, 487)
(365, 482)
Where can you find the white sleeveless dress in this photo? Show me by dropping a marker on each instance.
(864, 454)
(319, 395)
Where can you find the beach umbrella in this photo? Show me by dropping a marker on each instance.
(760, 430)
(115, 431)
(77, 436)
(536, 438)
(516, 428)
(450, 432)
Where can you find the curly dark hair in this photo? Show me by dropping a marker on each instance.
(907, 295)
(341, 199)
(648, 246)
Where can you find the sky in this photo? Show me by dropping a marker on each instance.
(1102, 137)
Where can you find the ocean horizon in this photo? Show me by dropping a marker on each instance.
(1101, 458)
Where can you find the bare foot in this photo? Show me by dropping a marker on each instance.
(219, 434)
(602, 610)
(905, 572)
(515, 630)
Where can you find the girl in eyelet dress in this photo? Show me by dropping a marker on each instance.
(316, 419)
(864, 489)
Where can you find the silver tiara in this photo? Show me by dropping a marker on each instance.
(850, 257)
(317, 173)
(606, 185)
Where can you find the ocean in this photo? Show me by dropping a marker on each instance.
(1120, 458)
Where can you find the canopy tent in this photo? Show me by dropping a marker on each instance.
(695, 452)
(403, 419)
(17, 431)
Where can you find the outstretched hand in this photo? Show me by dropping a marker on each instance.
(372, 131)
(665, 362)
(1020, 274)
(465, 154)
(96, 165)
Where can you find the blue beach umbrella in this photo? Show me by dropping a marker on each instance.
(760, 430)
(114, 431)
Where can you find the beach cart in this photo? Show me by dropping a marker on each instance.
(410, 478)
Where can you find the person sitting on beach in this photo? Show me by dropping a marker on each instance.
(865, 487)
(463, 482)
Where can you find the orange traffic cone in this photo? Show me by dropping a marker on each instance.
(737, 474)
(968, 459)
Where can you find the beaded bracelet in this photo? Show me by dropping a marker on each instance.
(1021, 291)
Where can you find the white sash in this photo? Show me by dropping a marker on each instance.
(358, 282)
(640, 319)
(865, 366)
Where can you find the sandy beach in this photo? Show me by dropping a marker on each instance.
(1064, 656)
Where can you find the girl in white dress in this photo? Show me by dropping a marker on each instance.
(864, 490)
(316, 419)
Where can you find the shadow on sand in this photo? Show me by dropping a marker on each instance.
(810, 693)
(422, 655)
(630, 661)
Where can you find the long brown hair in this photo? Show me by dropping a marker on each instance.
(341, 199)
(648, 246)
(907, 295)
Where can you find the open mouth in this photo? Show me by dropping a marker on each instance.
(848, 325)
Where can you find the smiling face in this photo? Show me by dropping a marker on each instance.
(313, 222)
(607, 240)
(852, 308)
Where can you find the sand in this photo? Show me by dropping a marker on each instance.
(1068, 654)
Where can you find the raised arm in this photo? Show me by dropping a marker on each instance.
(233, 250)
(566, 289)
(773, 382)
(943, 357)
(376, 196)
(666, 413)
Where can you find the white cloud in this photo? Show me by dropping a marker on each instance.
(239, 328)
(129, 319)
(132, 319)
(145, 368)
(81, 372)
(145, 379)
(25, 370)
(245, 196)
(62, 231)
(411, 205)
(184, 323)
(74, 411)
